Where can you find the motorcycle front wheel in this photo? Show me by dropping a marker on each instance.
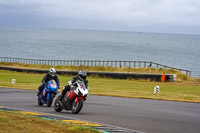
(50, 100)
(76, 107)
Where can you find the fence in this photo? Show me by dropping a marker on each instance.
(133, 64)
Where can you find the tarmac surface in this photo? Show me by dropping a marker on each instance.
(139, 115)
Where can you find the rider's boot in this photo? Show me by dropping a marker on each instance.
(39, 89)
(65, 89)
(60, 98)
(38, 92)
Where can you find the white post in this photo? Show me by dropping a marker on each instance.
(13, 81)
(156, 89)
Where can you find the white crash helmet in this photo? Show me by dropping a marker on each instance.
(52, 71)
(82, 74)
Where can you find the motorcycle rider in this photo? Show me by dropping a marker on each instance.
(81, 76)
(49, 76)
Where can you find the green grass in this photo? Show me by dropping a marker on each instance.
(187, 91)
(11, 122)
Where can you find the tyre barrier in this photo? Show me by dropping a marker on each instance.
(115, 75)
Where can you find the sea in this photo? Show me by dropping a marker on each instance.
(174, 50)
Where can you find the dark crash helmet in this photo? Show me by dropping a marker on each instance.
(82, 74)
(52, 71)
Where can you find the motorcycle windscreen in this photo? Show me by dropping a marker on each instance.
(53, 84)
(71, 95)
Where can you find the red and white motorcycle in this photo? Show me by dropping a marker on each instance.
(74, 98)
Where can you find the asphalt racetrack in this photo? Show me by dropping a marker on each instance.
(150, 116)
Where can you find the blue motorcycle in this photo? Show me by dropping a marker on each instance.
(48, 93)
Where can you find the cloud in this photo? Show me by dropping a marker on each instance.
(132, 13)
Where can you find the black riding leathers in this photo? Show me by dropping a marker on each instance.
(47, 78)
(67, 87)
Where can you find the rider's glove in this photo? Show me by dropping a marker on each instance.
(71, 86)
(70, 82)
(45, 84)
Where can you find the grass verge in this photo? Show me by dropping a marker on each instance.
(187, 91)
(11, 122)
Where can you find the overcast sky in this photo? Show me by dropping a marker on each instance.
(164, 16)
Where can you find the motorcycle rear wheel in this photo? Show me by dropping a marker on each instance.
(76, 107)
(57, 106)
